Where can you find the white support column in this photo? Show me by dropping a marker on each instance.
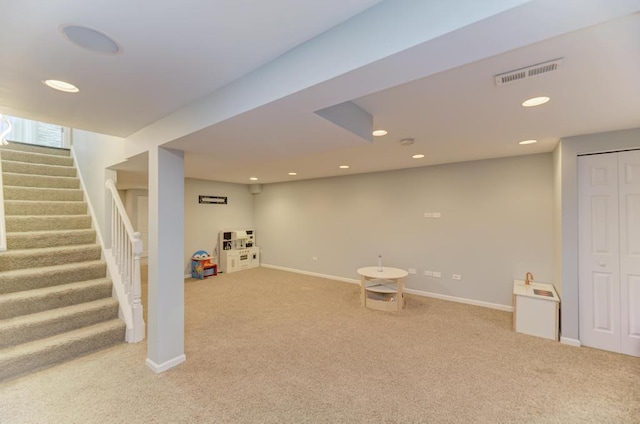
(165, 341)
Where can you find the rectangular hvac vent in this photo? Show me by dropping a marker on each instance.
(528, 72)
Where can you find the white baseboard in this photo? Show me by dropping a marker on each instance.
(187, 276)
(570, 342)
(158, 368)
(505, 308)
(466, 301)
(313, 274)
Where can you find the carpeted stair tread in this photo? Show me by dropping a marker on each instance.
(35, 239)
(36, 193)
(50, 207)
(25, 147)
(35, 278)
(38, 169)
(31, 157)
(18, 360)
(42, 181)
(21, 223)
(55, 298)
(26, 328)
(49, 256)
(38, 300)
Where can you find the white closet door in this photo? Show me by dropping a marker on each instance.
(629, 193)
(599, 275)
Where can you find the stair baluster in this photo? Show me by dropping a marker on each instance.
(126, 249)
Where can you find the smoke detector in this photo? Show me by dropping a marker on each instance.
(407, 141)
(528, 72)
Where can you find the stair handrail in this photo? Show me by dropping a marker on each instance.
(126, 250)
(3, 142)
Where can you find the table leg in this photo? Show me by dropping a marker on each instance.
(400, 295)
(363, 295)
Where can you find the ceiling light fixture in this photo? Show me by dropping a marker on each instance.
(524, 142)
(253, 178)
(419, 156)
(61, 86)
(379, 133)
(535, 101)
(344, 166)
(90, 39)
(293, 173)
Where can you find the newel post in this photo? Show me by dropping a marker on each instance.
(136, 307)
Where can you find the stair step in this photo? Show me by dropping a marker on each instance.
(38, 300)
(34, 193)
(41, 181)
(44, 207)
(35, 278)
(18, 360)
(38, 169)
(27, 328)
(36, 239)
(33, 148)
(21, 223)
(30, 157)
(49, 256)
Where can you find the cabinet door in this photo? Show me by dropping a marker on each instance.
(599, 274)
(629, 193)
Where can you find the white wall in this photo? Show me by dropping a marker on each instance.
(94, 153)
(496, 224)
(204, 221)
(570, 148)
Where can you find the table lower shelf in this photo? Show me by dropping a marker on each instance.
(382, 305)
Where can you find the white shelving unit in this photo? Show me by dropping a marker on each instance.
(237, 250)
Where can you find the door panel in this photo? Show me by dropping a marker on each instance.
(629, 166)
(603, 309)
(599, 277)
(634, 300)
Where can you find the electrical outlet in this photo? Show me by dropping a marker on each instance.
(437, 274)
(428, 215)
(436, 214)
(428, 273)
(315, 258)
(412, 270)
(456, 277)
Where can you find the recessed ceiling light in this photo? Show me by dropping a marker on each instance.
(344, 166)
(528, 142)
(420, 156)
(61, 86)
(535, 101)
(293, 173)
(379, 133)
(254, 178)
(90, 39)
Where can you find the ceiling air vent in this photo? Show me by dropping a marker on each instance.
(528, 72)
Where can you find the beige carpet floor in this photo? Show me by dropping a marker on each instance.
(266, 346)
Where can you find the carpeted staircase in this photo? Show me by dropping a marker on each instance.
(55, 299)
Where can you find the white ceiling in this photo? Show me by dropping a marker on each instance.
(440, 92)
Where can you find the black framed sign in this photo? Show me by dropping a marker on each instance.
(213, 200)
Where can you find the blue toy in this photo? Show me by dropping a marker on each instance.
(201, 265)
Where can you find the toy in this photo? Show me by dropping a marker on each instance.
(202, 265)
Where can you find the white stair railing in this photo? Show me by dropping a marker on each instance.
(4, 122)
(125, 252)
